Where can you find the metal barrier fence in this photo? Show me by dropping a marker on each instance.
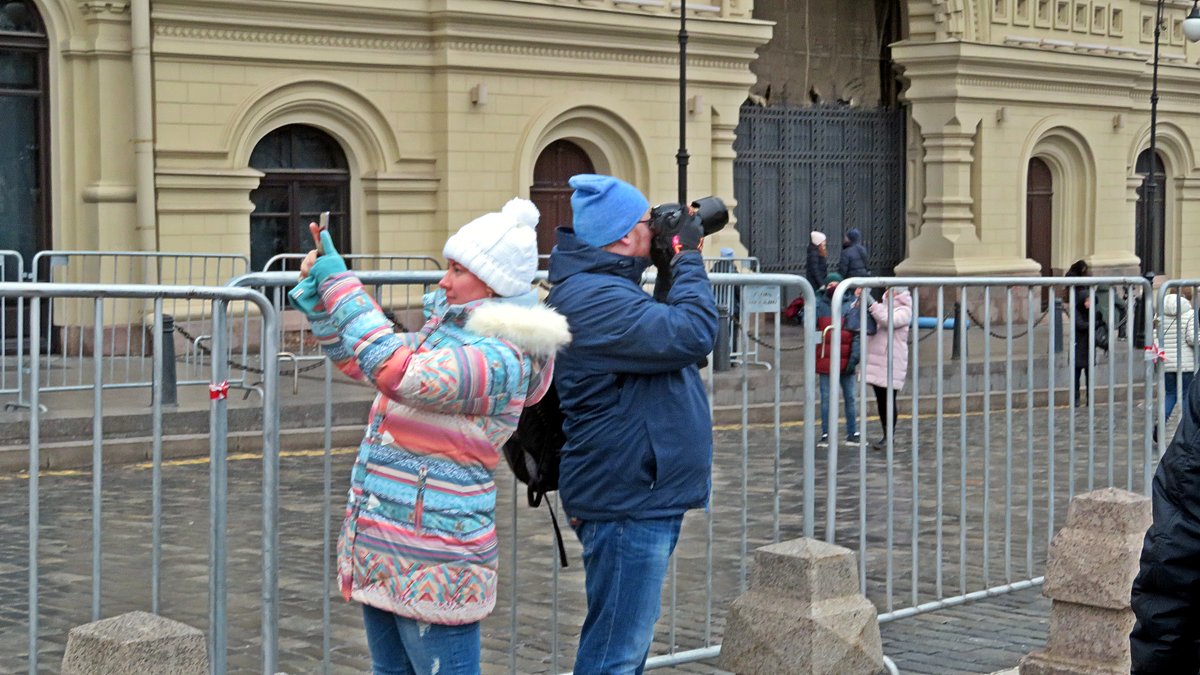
(126, 347)
(1176, 354)
(766, 482)
(965, 546)
(737, 311)
(12, 329)
(63, 548)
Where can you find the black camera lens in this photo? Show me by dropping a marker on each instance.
(712, 213)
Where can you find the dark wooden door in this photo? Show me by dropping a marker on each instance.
(24, 157)
(1039, 200)
(550, 192)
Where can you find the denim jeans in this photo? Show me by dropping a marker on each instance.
(401, 646)
(624, 564)
(850, 409)
(1171, 395)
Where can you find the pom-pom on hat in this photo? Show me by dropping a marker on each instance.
(605, 208)
(499, 248)
(818, 238)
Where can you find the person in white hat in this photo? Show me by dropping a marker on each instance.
(817, 265)
(418, 545)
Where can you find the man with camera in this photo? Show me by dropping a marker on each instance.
(638, 451)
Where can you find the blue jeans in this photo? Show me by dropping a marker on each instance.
(849, 390)
(401, 646)
(624, 564)
(1171, 395)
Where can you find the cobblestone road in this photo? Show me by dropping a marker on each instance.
(979, 637)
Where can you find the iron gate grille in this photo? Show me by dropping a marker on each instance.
(800, 169)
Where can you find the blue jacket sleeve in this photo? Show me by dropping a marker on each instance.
(624, 330)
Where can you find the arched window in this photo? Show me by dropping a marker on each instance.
(1039, 218)
(306, 173)
(24, 132)
(550, 192)
(1150, 219)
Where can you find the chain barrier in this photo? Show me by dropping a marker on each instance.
(979, 324)
(241, 366)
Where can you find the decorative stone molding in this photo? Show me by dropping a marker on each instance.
(294, 37)
(103, 7)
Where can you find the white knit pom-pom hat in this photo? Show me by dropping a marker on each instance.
(499, 248)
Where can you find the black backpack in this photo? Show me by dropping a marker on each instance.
(533, 452)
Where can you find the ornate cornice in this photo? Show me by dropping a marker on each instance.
(586, 54)
(103, 7)
(202, 33)
(278, 37)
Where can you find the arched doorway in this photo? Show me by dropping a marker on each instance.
(1039, 215)
(1150, 219)
(550, 192)
(1039, 218)
(306, 173)
(24, 140)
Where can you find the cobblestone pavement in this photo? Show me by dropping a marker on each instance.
(981, 637)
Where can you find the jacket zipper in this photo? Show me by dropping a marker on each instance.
(419, 508)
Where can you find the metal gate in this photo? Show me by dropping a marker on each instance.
(829, 169)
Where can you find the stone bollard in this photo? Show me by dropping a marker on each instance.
(136, 643)
(804, 613)
(1089, 573)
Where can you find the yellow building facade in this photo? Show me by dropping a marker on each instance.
(417, 117)
(1028, 119)
(219, 125)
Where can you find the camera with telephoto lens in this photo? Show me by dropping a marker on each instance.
(666, 219)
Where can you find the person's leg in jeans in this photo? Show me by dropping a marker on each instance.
(624, 563)
(850, 397)
(1169, 394)
(823, 381)
(388, 656)
(402, 646)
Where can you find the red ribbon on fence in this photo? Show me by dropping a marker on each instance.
(218, 392)
(1156, 354)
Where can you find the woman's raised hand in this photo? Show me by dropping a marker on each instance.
(311, 258)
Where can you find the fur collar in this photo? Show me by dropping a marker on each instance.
(538, 330)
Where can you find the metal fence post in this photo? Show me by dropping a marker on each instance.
(167, 347)
(1056, 325)
(955, 352)
(721, 354)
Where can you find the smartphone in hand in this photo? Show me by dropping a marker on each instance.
(323, 221)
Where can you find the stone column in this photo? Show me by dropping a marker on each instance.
(804, 613)
(1089, 574)
(136, 642)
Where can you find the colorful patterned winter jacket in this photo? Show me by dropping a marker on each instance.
(419, 538)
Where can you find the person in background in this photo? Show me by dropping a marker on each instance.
(817, 265)
(845, 364)
(853, 262)
(1179, 342)
(418, 544)
(895, 310)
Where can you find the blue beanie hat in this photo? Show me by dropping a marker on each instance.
(605, 208)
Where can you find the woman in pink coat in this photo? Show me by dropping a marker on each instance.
(894, 309)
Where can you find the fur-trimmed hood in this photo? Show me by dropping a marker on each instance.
(537, 329)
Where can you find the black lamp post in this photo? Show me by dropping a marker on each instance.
(1191, 29)
(681, 157)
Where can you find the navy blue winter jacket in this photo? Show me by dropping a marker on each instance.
(853, 262)
(639, 433)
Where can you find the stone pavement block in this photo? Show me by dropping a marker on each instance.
(135, 643)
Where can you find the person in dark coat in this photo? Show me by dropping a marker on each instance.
(817, 266)
(1085, 319)
(1166, 592)
(854, 256)
(638, 451)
